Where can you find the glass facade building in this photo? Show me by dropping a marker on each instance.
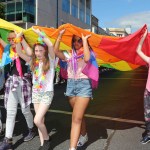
(80, 9)
(19, 10)
(50, 13)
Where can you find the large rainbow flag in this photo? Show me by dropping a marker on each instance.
(125, 48)
(103, 58)
(111, 52)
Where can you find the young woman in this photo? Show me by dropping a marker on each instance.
(42, 66)
(146, 138)
(79, 89)
(17, 90)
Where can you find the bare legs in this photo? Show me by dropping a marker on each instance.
(40, 110)
(79, 105)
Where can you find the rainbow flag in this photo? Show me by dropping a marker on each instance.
(91, 70)
(5, 28)
(5, 57)
(125, 48)
(112, 52)
(103, 57)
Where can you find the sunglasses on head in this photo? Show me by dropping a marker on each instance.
(10, 39)
(77, 40)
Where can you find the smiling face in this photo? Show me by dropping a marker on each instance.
(11, 38)
(39, 52)
(77, 42)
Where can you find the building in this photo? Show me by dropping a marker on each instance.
(95, 27)
(49, 13)
(20, 12)
(94, 24)
(120, 32)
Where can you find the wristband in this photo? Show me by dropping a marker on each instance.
(42, 35)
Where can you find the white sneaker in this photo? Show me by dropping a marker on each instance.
(82, 140)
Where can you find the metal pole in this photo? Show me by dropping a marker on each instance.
(36, 13)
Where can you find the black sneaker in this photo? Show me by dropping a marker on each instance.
(46, 145)
(6, 144)
(30, 135)
(2, 133)
(145, 139)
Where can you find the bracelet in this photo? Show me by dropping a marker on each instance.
(42, 35)
(18, 40)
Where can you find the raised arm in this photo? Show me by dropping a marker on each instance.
(26, 47)
(139, 48)
(86, 47)
(19, 48)
(57, 44)
(46, 40)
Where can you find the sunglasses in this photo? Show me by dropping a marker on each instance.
(10, 39)
(77, 40)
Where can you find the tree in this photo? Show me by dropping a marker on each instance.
(2, 11)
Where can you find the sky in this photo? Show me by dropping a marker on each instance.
(122, 13)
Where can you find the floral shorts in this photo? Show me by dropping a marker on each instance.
(42, 97)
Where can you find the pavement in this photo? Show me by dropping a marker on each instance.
(115, 118)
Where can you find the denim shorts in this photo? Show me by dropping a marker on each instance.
(79, 87)
(42, 97)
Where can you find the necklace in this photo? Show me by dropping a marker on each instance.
(13, 55)
(39, 75)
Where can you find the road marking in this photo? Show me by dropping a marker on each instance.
(96, 117)
(100, 117)
(122, 78)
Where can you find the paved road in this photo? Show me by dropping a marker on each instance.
(114, 116)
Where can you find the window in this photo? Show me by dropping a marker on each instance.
(28, 6)
(88, 4)
(88, 16)
(10, 7)
(66, 6)
(82, 10)
(88, 19)
(19, 6)
(120, 35)
(18, 16)
(74, 8)
(81, 15)
(82, 2)
(28, 17)
(10, 17)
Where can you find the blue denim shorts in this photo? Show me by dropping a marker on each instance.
(79, 87)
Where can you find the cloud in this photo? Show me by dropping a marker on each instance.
(136, 21)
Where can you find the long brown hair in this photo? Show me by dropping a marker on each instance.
(46, 62)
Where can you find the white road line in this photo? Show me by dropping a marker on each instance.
(122, 79)
(100, 117)
(96, 117)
